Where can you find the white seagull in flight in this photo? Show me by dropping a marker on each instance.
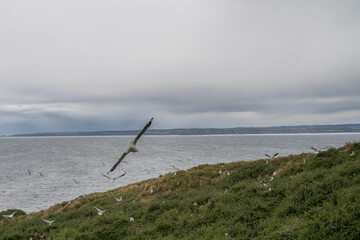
(132, 147)
(272, 156)
(10, 215)
(318, 150)
(99, 211)
(113, 179)
(48, 221)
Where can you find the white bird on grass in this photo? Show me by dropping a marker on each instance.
(10, 215)
(151, 191)
(132, 219)
(100, 212)
(263, 184)
(48, 221)
(118, 199)
(132, 147)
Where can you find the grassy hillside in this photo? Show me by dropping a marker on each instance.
(312, 196)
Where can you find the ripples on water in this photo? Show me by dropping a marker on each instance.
(62, 159)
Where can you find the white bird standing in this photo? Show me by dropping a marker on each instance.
(118, 199)
(99, 211)
(151, 191)
(132, 147)
(132, 219)
(48, 221)
(10, 215)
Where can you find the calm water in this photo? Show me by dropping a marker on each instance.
(62, 159)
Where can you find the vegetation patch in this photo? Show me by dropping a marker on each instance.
(305, 196)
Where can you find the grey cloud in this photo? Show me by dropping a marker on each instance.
(97, 65)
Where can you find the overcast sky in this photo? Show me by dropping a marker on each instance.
(90, 65)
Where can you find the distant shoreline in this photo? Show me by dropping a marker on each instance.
(340, 128)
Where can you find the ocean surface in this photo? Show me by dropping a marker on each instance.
(72, 166)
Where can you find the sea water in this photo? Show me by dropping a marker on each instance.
(73, 166)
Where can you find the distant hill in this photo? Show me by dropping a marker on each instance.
(207, 131)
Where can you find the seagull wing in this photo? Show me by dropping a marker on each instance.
(275, 155)
(98, 209)
(48, 221)
(315, 149)
(267, 155)
(119, 176)
(119, 161)
(142, 131)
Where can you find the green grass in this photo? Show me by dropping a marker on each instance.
(319, 199)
